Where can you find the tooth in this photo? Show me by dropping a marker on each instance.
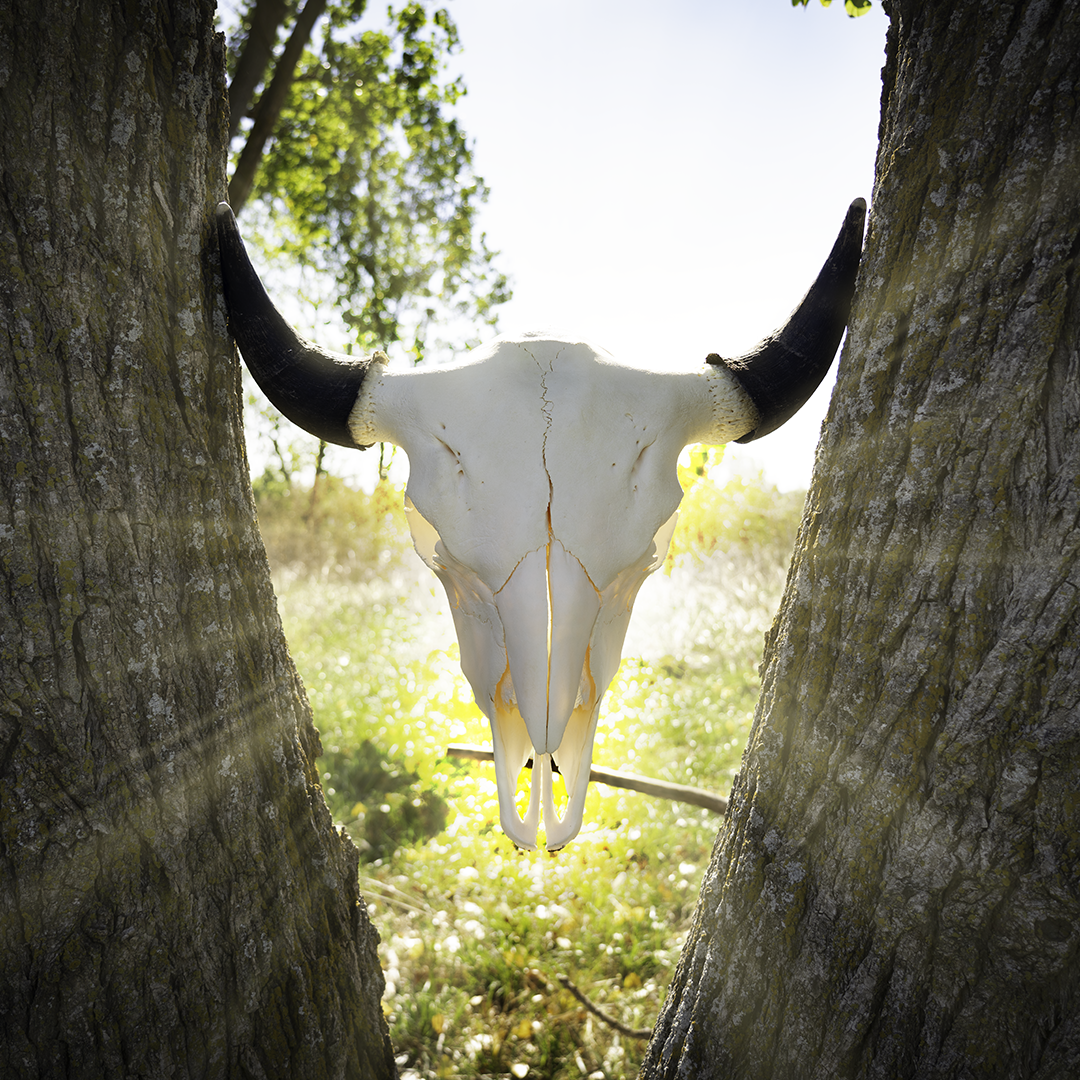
(617, 601)
(479, 634)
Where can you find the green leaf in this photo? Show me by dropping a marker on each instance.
(369, 179)
(852, 7)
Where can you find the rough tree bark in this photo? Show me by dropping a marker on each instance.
(896, 892)
(174, 898)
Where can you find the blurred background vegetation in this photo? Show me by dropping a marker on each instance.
(474, 932)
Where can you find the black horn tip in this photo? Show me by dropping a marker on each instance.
(314, 389)
(783, 371)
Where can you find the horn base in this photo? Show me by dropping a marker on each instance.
(783, 371)
(313, 388)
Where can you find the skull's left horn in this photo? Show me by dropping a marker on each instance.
(314, 389)
(783, 371)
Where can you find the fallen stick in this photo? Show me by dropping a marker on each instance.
(630, 781)
(633, 1033)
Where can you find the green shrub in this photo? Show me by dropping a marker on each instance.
(741, 515)
(380, 801)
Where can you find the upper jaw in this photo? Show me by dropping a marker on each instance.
(559, 830)
(547, 702)
(539, 654)
(563, 652)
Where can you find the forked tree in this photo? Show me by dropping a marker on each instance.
(175, 900)
(896, 892)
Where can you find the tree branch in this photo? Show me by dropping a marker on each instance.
(271, 104)
(266, 17)
(622, 1029)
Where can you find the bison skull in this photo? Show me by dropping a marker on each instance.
(542, 491)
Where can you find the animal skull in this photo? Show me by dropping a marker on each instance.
(542, 491)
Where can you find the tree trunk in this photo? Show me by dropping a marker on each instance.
(896, 892)
(175, 900)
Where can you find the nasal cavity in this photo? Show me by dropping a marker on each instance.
(523, 789)
(529, 776)
(559, 794)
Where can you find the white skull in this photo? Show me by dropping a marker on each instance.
(542, 491)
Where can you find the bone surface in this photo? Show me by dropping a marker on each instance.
(542, 491)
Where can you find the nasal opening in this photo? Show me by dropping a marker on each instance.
(530, 777)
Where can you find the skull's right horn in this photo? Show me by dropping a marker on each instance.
(313, 388)
(783, 371)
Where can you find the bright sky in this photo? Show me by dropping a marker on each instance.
(668, 177)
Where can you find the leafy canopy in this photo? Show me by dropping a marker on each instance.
(852, 7)
(368, 178)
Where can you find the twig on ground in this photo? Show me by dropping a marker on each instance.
(622, 1029)
(631, 781)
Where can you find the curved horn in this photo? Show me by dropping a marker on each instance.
(314, 389)
(783, 371)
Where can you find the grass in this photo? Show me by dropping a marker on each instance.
(474, 932)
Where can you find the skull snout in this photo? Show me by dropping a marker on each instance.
(548, 608)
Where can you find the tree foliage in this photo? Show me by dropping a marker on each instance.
(852, 7)
(365, 173)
